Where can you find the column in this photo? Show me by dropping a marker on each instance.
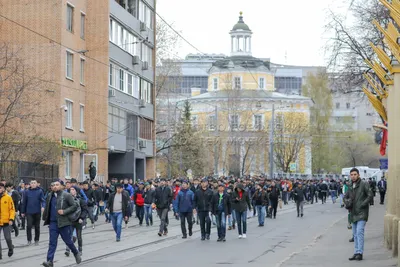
(231, 43)
(237, 43)
(245, 44)
(249, 44)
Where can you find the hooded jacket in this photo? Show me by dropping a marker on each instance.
(240, 204)
(7, 209)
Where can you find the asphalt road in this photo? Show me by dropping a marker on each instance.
(276, 244)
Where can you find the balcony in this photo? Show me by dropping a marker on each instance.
(129, 5)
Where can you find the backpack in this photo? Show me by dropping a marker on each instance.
(73, 217)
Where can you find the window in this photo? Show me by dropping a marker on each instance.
(337, 105)
(121, 80)
(82, 118)
(261, 82)
(145, 91)
(69, 64)
(257, 124)
(68, 163)
(82, 71)
(111, 30)
(68, 114)
(130, 84)
(347, 105)
(124, 38)
(147, 54)
(369, 114)
(70, 17)
(237, 83)
(111, 75)
(146, 15)
(83, 17)
(132, 7)
(146, 129)
(234, 122)
(136, 87)
(117, 120)
(211, 123)
(215, 83)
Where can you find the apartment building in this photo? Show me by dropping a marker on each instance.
(131, 108)
(93, 64)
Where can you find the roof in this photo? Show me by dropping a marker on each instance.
(244, 61)
(249, 94)
(240, 25)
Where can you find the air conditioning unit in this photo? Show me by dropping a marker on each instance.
(112, 148)
(142, 144)
(145, 65)
(143, 27)
(111, 93)
(142, 103)
(135, 60)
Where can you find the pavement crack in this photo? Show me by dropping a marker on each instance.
(272, 249)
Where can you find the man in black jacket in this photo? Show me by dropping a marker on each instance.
(274, 196)
(202, 204)
(299, 197)
(162, 201)
(261, 202)
(221, 208)
(241, 201)
(91, 202)
(149, 195)
(117, 206)
(59, 205)
(16, 197)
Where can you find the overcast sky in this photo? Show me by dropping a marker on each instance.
(280, 27)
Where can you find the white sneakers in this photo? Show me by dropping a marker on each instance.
(240, 236)
(244, 236)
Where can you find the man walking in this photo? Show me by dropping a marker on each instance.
(261, 201)
(16, 197)
(299, 197)
(60, 205)
(148, 200)
(118, 207)
(32, 207)
(184, 206)
(221, 208)
(162, 201)
(138, 199)
(202, 203)
(274, 195)
(7, 216)
(357, 200)
(382, 189)
(241, 202)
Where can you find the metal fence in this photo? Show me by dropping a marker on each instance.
(17, 171)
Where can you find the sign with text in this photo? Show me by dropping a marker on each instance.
(78, 144)
(293, 167)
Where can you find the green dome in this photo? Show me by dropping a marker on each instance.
(240, 25)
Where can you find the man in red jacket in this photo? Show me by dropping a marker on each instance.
(139, 202)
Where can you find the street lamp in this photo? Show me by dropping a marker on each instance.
(379, 127)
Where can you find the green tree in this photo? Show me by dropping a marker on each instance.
(188, 148)
(317, 88)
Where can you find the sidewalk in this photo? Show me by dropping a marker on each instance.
(333, 248)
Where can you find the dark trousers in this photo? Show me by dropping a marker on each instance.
(140, 213)
(205, 223)
(323, 197)
(33, 220)
(163, 214)
(382, 193)
(78, 228)
(7, 236)
(65, 233)
(188, 216)
(274, 207)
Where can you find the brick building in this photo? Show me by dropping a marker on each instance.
(66, 45)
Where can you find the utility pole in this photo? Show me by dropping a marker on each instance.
(216, 158)
(271, 143)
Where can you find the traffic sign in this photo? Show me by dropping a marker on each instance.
(384, 164)
(293, 167)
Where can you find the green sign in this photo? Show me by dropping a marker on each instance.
(78, 144)
(293, 167)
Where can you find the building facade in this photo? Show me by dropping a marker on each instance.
(131, 109)
(235, 113)
(92, 62)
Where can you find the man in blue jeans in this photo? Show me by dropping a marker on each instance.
(221, 207)
(118, 206)
(241, 201)
(357, 201)
(261, 201)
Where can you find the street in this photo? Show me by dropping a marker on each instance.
(320, 238)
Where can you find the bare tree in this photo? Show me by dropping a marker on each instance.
(21, 113)
(349, 46)
(291, 135)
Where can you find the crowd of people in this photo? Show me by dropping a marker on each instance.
(227, 202)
